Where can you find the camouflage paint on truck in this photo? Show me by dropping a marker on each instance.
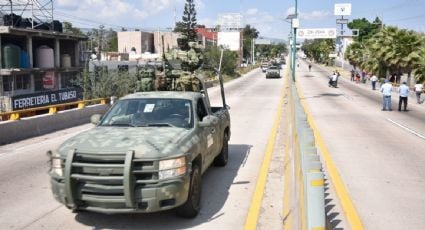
(124, 166)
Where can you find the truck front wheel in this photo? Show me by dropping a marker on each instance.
(192, 206)
(223, 157)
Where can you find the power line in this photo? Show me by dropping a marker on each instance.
(407, 18)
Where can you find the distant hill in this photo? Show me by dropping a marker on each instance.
(273, 40)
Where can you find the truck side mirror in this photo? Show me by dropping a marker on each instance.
(208, 121)
(95, 119)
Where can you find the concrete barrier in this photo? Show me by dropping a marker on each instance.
(312, 176)
(12, 131)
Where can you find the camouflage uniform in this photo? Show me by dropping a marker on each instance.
(147, 79)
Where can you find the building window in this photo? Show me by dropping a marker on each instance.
(22, 82)
(7, 83)
(38, 82)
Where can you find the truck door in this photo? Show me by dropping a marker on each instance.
(206, 133)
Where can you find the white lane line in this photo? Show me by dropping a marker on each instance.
(407, 129)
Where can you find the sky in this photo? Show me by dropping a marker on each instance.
(267, 16)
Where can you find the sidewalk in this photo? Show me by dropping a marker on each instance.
(368, 85)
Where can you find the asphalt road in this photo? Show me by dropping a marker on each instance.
(380, 155)
(27, 203)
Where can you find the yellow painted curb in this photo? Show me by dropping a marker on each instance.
(346, 202)
(254, 209)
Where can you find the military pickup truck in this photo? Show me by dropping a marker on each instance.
(273, 72)
(146, 154)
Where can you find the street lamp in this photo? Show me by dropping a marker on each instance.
(294, 25)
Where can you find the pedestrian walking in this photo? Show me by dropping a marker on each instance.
(352, 74)
(419, 88)
(403, 90)
(373, 80)
(386, 95)
(309, 67)
(357, 78)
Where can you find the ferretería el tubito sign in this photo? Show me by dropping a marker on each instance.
(46, 98)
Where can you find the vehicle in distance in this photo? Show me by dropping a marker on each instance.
(146, 154)
(264, 66)
(273, 72)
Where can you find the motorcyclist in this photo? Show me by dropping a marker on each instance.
(333, 80)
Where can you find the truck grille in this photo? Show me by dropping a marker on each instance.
(107, 180)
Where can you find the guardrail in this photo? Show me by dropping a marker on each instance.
(308, 168)
(53, 109)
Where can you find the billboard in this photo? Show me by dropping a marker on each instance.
(342, 9)
(229, 21)
(316, 33)
(229, 40)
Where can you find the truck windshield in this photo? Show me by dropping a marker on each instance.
(150, 112)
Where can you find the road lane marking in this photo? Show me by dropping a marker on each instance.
(407, 129)
(254, 209)
(346, 202)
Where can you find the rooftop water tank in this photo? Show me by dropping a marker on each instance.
(65, 61)
(11, 56)
(44, 57)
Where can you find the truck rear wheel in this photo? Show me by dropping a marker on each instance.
(192, 206)
(223, 157)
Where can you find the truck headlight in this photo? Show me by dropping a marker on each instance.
(56, 165)
(172, 167)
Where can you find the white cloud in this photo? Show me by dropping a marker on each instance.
(315, 15)
(67, 4)
(252, 11)
(115, 12)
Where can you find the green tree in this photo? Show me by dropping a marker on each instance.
(319, 49)
(103, 83)
(366, 29)
(111, 39)
(419, 71)
(212, 60)
(355, 54)
(249, 33)
(69, 29)
(397, 49)
(187, 26)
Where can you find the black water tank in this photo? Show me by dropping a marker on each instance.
(25, 23)
(57, 26)
(11, 20)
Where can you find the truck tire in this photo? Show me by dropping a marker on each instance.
(192, 206)
(223, 157)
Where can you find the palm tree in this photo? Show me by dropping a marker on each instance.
(419, 71)
(355, 53)
(397, 49)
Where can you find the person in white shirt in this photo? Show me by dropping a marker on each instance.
(386, 93)
(419, 88)
(403, 90)
(333, 79)
(373, 79)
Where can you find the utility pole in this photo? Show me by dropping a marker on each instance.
(294, 39)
